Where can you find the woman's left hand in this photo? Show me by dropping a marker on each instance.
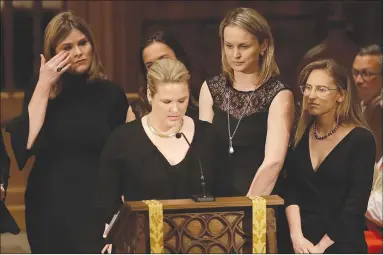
(107, 248)
(316, 250)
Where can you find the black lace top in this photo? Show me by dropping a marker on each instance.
(251, 109)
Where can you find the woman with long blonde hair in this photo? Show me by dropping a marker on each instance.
(66, 119)
(330, 170)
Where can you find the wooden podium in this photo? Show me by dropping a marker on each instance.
(223, 226)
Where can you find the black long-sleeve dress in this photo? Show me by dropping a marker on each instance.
(4, 163)
(60, 209)
(333, 200)
(7, 223)
(131, 165)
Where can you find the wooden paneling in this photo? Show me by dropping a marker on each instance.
(80, 8)
(297, 26)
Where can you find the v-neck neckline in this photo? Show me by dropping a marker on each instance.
(157, 149)
(313, 170)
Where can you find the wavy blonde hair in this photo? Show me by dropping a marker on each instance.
(347, 112)
(166, 71)
(57, 30)
(255, 24)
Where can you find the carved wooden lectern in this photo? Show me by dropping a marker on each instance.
(223, 226)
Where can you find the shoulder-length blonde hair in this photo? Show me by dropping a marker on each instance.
(255, 24)
(347, 112)
(57, 30)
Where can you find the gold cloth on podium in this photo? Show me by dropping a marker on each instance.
(156, 224)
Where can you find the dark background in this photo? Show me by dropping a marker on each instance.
(119, 27)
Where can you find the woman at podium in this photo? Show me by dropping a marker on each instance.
(162, 155)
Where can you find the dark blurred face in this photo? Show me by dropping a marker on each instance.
(242, 50)
(321, 93)
(170, 102)
(156, 51)
(368, 76)
(80, 50)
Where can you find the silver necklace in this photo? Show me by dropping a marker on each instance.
(230, 137)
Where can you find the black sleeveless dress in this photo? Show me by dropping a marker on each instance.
(251, 108)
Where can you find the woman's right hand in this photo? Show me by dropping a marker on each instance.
(301, 245)
(107, 247)
(51, 71)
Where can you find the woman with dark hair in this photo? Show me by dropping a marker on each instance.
(158, 46)
(65, 122)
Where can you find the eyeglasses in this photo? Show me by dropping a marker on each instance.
(365, 75)
(321, 91)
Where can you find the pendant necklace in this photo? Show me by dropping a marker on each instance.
(230, 137)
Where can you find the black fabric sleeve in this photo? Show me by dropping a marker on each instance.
(290, 190)
(4, 163)
(343, 228)
(108, 197)
(120, 108)
(19, 131)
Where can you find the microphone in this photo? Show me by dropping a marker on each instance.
(204, 197)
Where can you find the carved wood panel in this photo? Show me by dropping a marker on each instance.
(215, 231)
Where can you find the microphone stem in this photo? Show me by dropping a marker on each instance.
(202, 180)
(203, 188)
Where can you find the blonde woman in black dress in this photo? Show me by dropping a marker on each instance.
(250, 109)
(330, 170)
(145, 159)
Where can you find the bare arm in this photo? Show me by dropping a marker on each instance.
(38, 105)
(280, 120)
(205, 104)
(299, 242)
(294, 221)
(130, 115)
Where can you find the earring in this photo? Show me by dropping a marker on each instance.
(262, 53)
